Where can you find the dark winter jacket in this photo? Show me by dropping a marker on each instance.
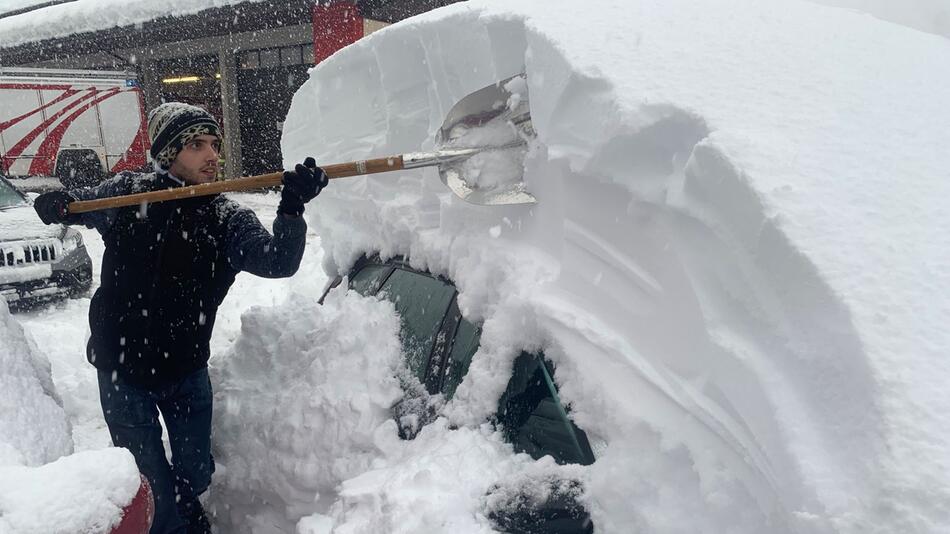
(166, 270)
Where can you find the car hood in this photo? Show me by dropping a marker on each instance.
(21, 222)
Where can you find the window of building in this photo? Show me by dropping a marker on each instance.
(250, 60)
(270, 58)
(290, 55)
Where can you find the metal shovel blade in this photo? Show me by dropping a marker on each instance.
(482, 146)
(495, 123)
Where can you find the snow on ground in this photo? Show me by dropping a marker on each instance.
(737, 262)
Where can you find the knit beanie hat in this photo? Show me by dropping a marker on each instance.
(173, 125)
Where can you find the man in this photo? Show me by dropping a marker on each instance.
(165, 270)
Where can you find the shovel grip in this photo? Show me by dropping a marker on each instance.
(369, 166)
(337, 170)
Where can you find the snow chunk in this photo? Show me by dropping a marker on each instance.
(416, 486)
(301, 401)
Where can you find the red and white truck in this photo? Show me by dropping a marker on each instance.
(75, 125)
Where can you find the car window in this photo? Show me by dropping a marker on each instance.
(367, 280)
(533, 417)
(9, 196)
(464, 347)
(421, 302)
(439, 345)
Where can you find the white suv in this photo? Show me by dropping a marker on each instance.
(38, 263)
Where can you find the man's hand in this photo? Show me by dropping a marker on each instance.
(301, 185)
(52, 207)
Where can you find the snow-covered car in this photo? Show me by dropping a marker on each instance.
(438, 344)
(38, 262)
(734, 265)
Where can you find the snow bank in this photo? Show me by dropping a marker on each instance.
(34, 428)
(738, 261)
(300, 400)
(81, 493)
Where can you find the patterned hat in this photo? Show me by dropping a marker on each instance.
(172, 125)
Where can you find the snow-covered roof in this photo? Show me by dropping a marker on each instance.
(63, 20)
(9, 6)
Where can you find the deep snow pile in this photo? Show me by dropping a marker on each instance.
(299, 401)
(44, 488)
(737, 262)
(33, 426)
(82, 492)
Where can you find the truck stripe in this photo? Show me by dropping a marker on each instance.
(10, 157)
(68, 93)
(46, 155)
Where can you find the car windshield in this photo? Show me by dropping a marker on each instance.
(9, 196)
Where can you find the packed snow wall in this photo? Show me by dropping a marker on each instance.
(34, 428)
(738, 260)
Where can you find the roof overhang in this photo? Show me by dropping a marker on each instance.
(236, 18)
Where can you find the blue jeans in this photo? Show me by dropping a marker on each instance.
(131, 412)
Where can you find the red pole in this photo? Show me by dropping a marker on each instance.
(335, 25)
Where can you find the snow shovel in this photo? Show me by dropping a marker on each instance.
(482, 144)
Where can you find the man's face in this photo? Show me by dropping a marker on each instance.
(197, 163)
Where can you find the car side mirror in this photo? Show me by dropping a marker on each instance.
(32, 195)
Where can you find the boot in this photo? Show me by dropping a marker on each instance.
(195, 518)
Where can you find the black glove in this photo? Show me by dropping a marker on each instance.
(52, 207)
(300, 186)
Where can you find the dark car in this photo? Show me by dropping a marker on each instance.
(38, 262)
(438, 344)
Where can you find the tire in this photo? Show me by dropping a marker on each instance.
(78, 168)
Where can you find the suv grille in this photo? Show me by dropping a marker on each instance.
(29, 252)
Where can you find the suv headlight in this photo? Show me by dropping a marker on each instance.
(72, 240)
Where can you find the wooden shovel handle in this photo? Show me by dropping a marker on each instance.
(337, 170)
